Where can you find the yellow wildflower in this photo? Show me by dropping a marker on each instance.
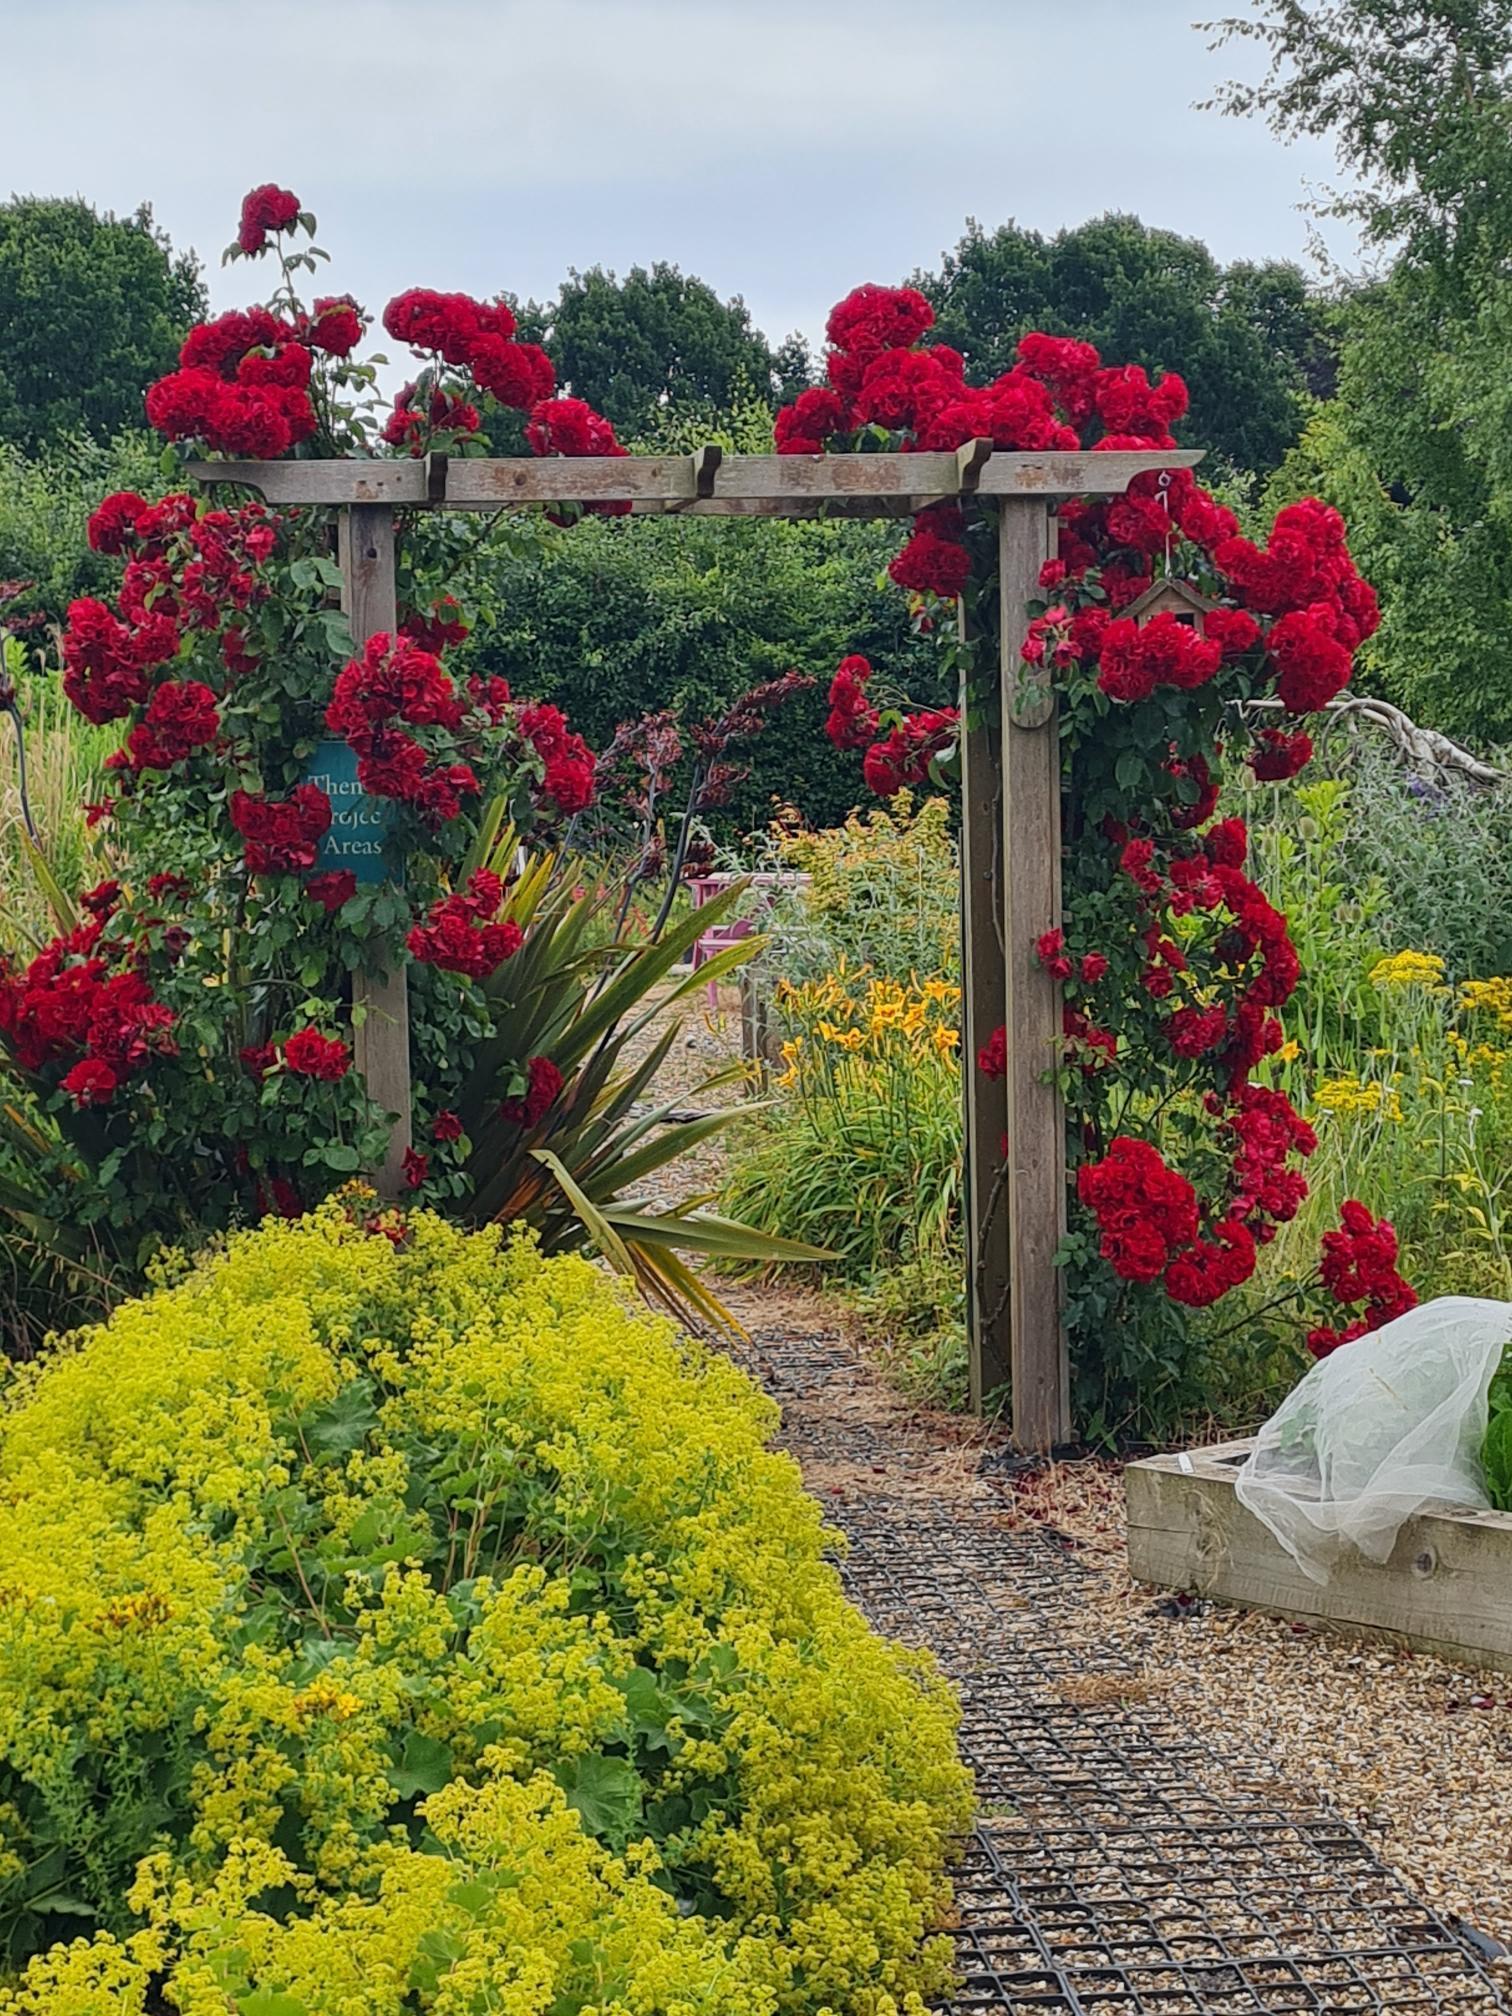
(1409, 969)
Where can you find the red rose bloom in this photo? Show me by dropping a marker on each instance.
(264, 209)
(932, 565)
(1145, 1211)
(281, 834)
(335, 326)
(543, 1084)
(460, 935)
(112, 524)
(332, 890)
(91, 1082)
(1278, 755)
(310, 1055)
(181, 717)
(852, 721)
(447, 1126)
(804, 427)
(1050, 950)
(416, 1167)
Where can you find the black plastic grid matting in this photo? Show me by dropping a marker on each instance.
(1121, 1865)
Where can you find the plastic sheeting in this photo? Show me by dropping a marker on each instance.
(1377, 1430)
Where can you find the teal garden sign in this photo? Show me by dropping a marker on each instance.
(360, 824)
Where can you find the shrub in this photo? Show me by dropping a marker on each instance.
(884, 892)
(402, 1623)
(287, 812)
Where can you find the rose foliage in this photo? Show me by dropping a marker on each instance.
(185, 1045)
(1173, 965)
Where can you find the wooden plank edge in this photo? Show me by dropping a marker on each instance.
(885, 482)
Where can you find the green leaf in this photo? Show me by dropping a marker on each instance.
(1496, 1453)
(342, 1156)
(338, 1426)
(605, 1793)
(425, 1766)
(271, 2002)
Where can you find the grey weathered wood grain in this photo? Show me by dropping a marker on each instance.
(381, 1035)
(1447, 1587)
(1036, 1174)
(894, 484)
(984, 1006)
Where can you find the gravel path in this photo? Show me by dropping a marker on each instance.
(1178, 1813)
(1185, 1807)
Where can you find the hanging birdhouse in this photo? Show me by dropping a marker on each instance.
(1172, 597)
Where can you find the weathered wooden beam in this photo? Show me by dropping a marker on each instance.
(889, 485)
(380, 1033)
(1036, 1163)
(984, 1007)
(1447, 1587)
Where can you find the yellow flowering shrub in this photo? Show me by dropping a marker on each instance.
(394, 1625)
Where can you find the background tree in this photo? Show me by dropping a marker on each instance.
(1250, 340)
(1417, 95)
(655, 339)
(92, 307)
(612, 618)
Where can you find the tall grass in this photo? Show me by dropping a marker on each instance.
(65, 758)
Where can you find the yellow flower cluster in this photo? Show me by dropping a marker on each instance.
(1489, 997)
(1358, 1096)
(868, 1019)
(1409, 969)
(423, 1628)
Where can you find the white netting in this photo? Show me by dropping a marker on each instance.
(1377, 1430)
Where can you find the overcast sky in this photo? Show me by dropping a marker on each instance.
(782, 149)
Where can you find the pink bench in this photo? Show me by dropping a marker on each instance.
(733, 929)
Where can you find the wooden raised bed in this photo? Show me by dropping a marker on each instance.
(1447, 1587)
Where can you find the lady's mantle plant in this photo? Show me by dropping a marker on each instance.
(394, 1622)
(1173, 964)
(186, 1036)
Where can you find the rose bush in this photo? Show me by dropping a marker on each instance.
(1173, 964)
(184, 1044)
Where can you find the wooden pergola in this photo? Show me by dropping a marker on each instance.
(1011, 810)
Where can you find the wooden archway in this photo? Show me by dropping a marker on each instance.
(1011, 810)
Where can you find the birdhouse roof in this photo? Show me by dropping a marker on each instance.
(1166, 592)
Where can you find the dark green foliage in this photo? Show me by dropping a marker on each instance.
(614, 618)
(45, 501)
(1414, 95)
(92, 308)
(1249, 340)
(655, 339)
(1417, 94)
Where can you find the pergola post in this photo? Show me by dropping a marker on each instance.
(1036, 1158)
(380, 1004)
(984, 1006)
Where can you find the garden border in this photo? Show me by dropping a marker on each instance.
(1447, 1587)
(1011, 846)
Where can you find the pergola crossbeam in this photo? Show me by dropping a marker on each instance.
(707, 482)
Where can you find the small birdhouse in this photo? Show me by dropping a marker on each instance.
(1172, 597)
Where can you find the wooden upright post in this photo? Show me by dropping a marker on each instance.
(984, 1003)
(381, 1036)
(1036, 1167)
